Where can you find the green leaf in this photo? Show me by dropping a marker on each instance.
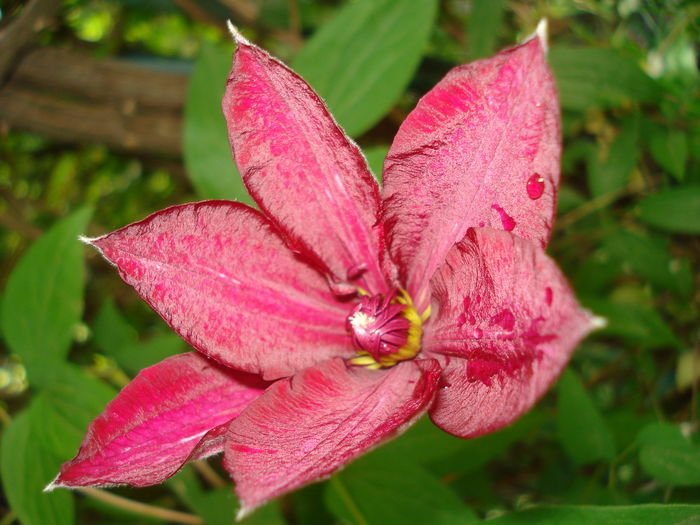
(219, 506)
(117, 338)
(383, 491)
(207, 151)
(477, 452)
(634, 323)
(62, 411)
(583, 432)
(423, 443)
(111, 331)
(308, 509)
(667, 456)
(362, 59)
(669, 147)
(484, 22)
(609, 170)
(590, 77)
(26, 469)
(375, 158)
(675, 210)
(646, 256)
(43, 300)
(604, 515)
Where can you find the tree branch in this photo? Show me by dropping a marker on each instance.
(121, 81)
(20, 32)
(74, 98)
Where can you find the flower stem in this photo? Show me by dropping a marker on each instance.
(209, 474)
(143, 509)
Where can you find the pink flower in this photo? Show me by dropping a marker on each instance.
(332, 319)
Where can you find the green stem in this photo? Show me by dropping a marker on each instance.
(159, 513)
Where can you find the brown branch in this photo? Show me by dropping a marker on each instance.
(245, 10)
(54, 116)
(195, 12)
(71, 97)
(123, 81)
(20, 32)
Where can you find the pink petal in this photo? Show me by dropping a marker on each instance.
(506, 323)
(302, 169)
(472, 153)
(307, 426)
(219, 274)
(170, 413)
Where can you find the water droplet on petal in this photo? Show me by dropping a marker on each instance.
(506, 220)
(535, 186)
(482, 224)
(477, 333)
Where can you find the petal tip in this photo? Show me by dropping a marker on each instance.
(244, 511)
(597, 322)
(55, 484)
(541, 33)
(236, 34)
(90, 241)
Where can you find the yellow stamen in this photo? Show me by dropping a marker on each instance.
(413, 338)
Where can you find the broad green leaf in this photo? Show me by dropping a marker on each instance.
(634, 323)
(219, 506)
(308, 505)
(27, 468)
(43, 300)
(569, 198)
(375, 158)
(675, 210)
(583, 432)
(669, 147)
(207, 151)
(111, 331)
(625, 424)
(423, 443)
(646, 256)
(362, 59)
(152, 351)
(667, 456)
(605, 515)
(117, 338)
(443, 453)
(62, 411)
(484, 22)
(609, 170)
(475, 453)
(589, 77)
(382, 491)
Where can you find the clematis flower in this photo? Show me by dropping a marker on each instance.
(337, 314)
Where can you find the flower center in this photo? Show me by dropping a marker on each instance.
(385, 329)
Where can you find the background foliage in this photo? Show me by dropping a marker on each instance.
(616, 441)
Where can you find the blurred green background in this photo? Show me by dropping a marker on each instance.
(110, 110)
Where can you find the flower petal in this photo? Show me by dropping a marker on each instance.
(301, 168)
(505, 323)
(307, 426)
(472, 153)
(219, 274)
(171, 412)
